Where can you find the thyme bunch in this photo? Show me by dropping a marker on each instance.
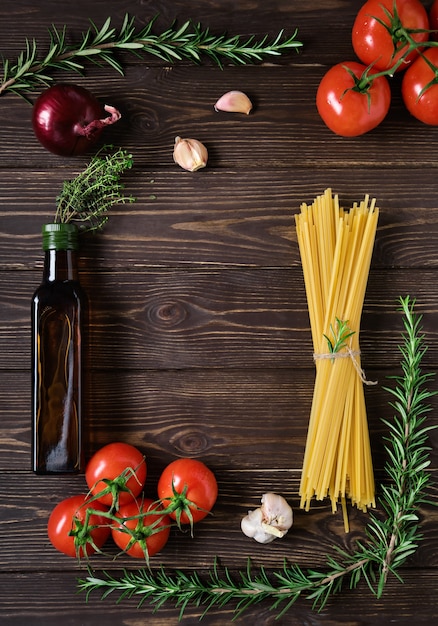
(389, 541)
(100, 46)
(86, 199)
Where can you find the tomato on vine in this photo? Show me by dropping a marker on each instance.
(350, 101)
(116, 474)
(188, 490)
(384, 30)
(143, 529)
(76, 531)
(420, 87)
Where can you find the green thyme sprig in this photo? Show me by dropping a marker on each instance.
(86, 199)
(389, 541)
(101, 45)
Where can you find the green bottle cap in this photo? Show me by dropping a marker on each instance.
(60, 237)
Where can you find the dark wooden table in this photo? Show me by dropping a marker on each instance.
(200, 335)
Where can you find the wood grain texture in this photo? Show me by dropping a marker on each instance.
(182, 220)
(199, 333)
(207, 414)
(172, 318)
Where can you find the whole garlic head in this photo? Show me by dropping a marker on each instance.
(270, 521)
(190, 154)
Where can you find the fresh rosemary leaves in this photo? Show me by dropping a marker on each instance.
(101, 45)
(388, 543)
(86, 199)
(339, 335)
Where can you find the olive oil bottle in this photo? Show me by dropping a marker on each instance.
(59, 310)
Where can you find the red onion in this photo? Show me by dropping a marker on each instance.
(68, 119)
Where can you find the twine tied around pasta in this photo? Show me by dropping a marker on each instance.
(337, 343)
(349, 353)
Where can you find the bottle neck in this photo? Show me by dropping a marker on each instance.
(60, 243)
(60, 265)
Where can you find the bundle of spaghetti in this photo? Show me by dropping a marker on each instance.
(336, 247)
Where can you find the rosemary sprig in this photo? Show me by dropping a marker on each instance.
(389, 541)
(86, 199)
(101, 45)
(339, 335)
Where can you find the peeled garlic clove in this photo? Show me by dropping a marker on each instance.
(190, 154)
(234, 102)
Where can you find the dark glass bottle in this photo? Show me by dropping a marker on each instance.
(59, 308)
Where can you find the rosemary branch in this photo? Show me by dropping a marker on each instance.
(87, 198)
(389, 541)
(101, 45)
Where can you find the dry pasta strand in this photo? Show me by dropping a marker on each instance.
(336, 247)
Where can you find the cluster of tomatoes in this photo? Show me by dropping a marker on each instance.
(388, 36)
(115, 505)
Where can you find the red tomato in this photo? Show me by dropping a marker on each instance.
(433, 20)
(190, 488)
(68, 517)
(147, 534)
(117, 471)
(347, 108)
(383, 44)
(422, 104)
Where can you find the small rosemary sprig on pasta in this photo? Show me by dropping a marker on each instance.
(86, 199)
(340, 334)
(389, 541)
(101, 45)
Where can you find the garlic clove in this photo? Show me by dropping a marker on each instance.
(273, 530)
(276, 512)
(234, 102)
(252, 527)
(190, 154)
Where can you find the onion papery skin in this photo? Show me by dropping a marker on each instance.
(61, 115)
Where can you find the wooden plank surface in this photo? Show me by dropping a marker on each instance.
(200, 339)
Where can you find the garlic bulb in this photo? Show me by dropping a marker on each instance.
(235, 102)
(190, 154)
(270, 521)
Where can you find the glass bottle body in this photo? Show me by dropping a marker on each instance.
(59, 309)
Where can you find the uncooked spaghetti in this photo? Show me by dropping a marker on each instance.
(336, 246)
